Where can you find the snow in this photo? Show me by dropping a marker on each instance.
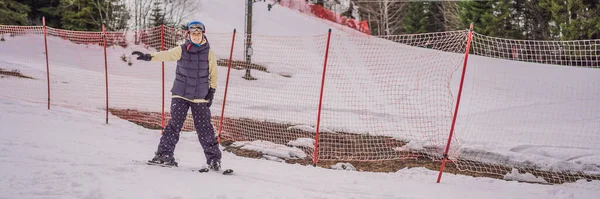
(272, 158)
(70, 154)
(308, 128)
(486, 124)
(222, 16)
(303, 142)
(270, 148)
(343, 166)
(530, 113)
(526, 177)
(551, 123)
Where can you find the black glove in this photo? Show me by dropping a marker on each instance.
(142, 56)
(210, 96)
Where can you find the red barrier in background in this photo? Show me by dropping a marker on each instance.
(323, 13)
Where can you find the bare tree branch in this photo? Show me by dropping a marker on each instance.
(450, 12)
(385, 14)
(178, 11)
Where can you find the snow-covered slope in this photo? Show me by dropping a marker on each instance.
(510, 112)
(222, 16)
(515, 111)
(64, 153)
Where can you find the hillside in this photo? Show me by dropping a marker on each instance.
(538, 116)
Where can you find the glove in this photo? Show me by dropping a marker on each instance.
(210, 96)
(142, 56)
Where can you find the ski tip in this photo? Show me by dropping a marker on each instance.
(204, 170)
(227, 171)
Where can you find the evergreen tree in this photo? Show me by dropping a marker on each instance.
(592, 25)
(435, 17)
(76, 15)
(480, 13)
(116, 16)
(571, 19)
(44, 8)
(505, 21)
(535, 20)
(157, 17)
(13, 12)
(415, 20)
(91, 15)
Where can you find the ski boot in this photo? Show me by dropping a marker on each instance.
(167, 160)
(215, 165)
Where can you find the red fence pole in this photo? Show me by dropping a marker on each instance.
(316, 151)
(162, 41)
(47, 64)
(226, 86)
(105, 70)
(462, 79)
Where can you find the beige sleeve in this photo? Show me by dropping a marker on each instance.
(172, 54)
(212, 68)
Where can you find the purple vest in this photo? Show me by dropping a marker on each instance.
(192, 76)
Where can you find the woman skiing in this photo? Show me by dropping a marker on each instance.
(193, 88)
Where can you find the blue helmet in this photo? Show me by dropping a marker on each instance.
(195, 26)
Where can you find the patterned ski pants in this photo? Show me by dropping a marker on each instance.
(204, 129)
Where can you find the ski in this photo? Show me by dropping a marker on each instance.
(201, 170)
(160, 164)
(205, 170)
(227, 171)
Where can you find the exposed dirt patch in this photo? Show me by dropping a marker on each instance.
(339, 147)
(241, 65)
(14, 73)
(372, 166)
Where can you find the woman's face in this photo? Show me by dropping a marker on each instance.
(196, 37)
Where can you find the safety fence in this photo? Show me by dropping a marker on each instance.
(486, 105)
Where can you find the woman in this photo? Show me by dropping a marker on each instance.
(193, 88)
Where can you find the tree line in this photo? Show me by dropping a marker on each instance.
(513, 19)
(90, 15)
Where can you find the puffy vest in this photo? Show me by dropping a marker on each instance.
(192, 76)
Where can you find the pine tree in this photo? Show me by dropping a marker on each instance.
(117, 16)
(504, 22)
(571, 19)
(480, 13)
(13, 13)
(415, 20)
(592, 15)
(435, 17)
(76, 15)
(48, 9)
(157, 17)
(535, 20)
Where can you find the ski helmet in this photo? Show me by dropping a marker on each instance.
(195, 26)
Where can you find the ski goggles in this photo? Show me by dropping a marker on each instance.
(196, 28)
